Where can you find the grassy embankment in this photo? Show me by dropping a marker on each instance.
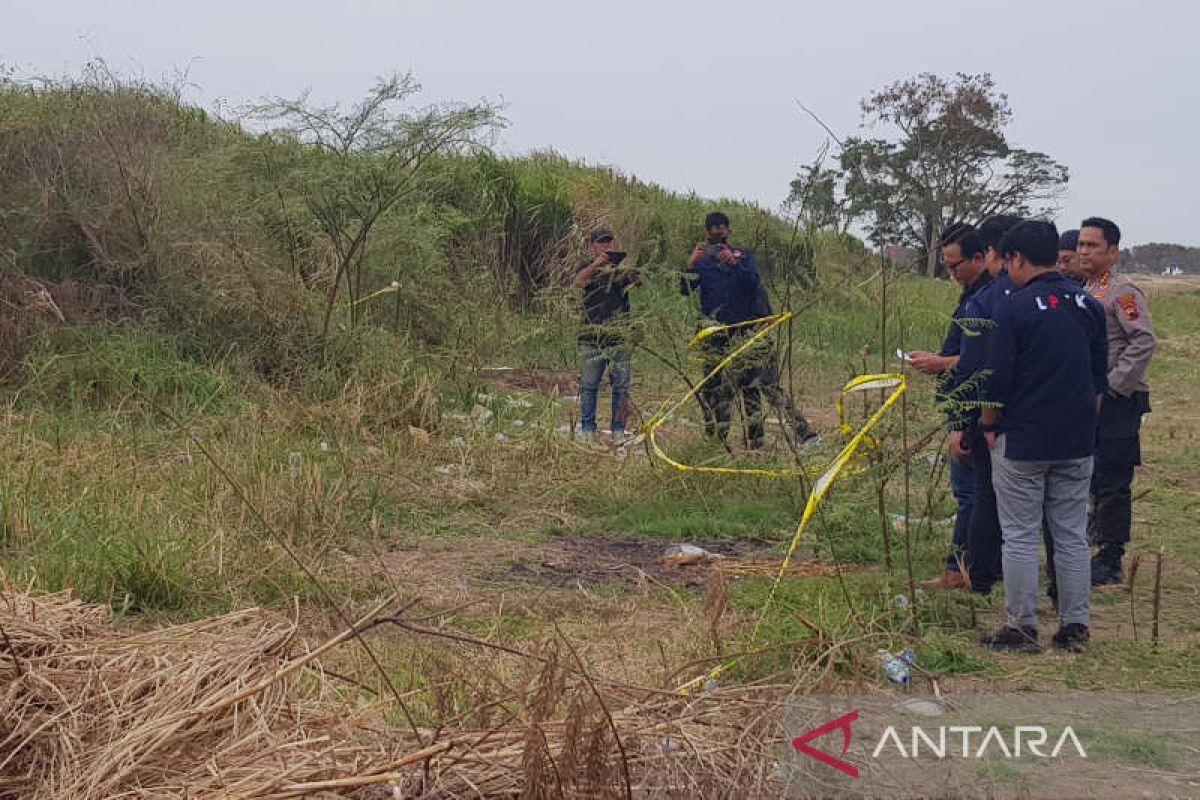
(170, 445)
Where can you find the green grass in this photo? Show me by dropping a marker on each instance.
(1153, 750)
(698, 518)
(102, 494)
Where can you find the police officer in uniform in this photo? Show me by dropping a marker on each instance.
(1131, 345)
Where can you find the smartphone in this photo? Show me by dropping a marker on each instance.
(903, 356)
(616, 256)
(713, 250)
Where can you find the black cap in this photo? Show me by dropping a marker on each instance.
(600, 235)
(1068, 240)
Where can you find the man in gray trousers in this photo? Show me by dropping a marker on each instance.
(1048, 355)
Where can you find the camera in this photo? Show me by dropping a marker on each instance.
(713, 250)
(616, 256)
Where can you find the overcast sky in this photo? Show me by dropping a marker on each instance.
(697, 95)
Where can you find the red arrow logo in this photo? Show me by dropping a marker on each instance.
(800, 743)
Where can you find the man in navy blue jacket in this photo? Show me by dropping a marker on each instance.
(963, 253)
(1048, 357)
(964, 397)
(731, 292)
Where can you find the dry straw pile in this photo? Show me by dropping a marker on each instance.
(238, 706)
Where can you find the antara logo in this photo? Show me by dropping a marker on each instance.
(800, 743)
(943, 742)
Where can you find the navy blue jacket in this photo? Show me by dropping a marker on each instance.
(970, 376)
(952, 346)
(727, 294)
(1048, 357)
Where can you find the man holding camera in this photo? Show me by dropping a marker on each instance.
(731, 292)
(603, 336)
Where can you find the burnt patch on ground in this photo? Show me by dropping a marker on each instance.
(589, 561)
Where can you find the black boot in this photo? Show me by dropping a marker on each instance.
(1106, 565)
(1072, 638)
(1013, 640)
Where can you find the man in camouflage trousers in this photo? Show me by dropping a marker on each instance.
(1131, 345)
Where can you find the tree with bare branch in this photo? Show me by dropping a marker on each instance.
(365, 160)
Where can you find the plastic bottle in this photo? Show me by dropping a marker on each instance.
(895, 668)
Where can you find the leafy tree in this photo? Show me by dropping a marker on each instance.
(357, 164)
(942, 156)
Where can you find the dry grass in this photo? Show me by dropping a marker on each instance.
(238, 706)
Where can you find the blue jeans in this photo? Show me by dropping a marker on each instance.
(962, 484)
(594, 360)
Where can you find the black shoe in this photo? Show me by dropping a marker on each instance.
(1107, 573)
(1012, 640)
(1071, 638)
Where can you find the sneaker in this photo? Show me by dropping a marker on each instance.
(950, 579)
(1106, 573)
(1012, 640)
(1071, 638)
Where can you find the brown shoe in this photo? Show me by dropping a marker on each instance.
(950, 579)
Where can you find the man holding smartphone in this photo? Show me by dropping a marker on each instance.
(731, 292)
(603, 335)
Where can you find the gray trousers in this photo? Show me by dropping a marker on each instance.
(1027, 491)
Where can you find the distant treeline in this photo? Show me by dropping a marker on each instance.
(1156, 257)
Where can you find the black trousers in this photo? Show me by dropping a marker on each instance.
(742, 379)
(984, 538)
(753, 377)
(1118, 451)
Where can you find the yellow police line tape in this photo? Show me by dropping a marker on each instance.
(820, 488)
(391, 288)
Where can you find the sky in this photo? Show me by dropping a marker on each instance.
(695, 96)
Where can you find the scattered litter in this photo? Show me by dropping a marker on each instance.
(295, 464)
(459, 442)
(896, 669)
(900, 601)
(445, 469)
(500, 437)
(324, 447)
(621, 453)
(710, 685)
(571, 398)
(517, 402)
(932, 459)
(518, 423)
(679, 555)
(481, 414)
(500, 369)
(670, 745)
(483, 397)
(344, 556)
(901, 522)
